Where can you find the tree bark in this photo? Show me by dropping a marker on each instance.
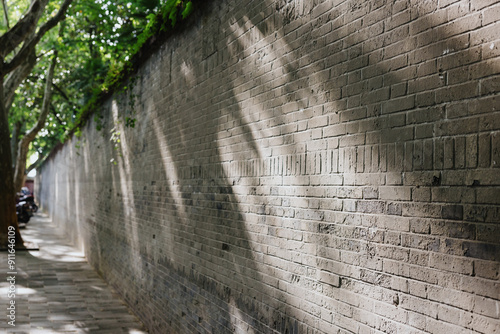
(15, 78)
(8, 215)
(14, 140)
(23, 146)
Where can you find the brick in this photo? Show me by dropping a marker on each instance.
(452, 195)
(483, 69)
(421, 210)
(491, 14)
(451, 297)
(419, 306)
(457, 75)
(395, 223)
(486, 306)
(396, 135)
(422, 242)
(489, 86)
(395, 193)
(436, 326)
(417, 289)
(455, 212)
(370, 206)
(424, 178)
(495, 149)
(481, 287)
(481, 250)
(457, 127)
(425, 115)
(334, 130)
(453, 229)
(425, 99)
(353, 140)
(394, 209)
(462, 91)
(487, 269)
(399, 90)
(453, 264)
(438, 154)
(482, 213)
(488, 195)
(329, 278)
(421, 226)
(370, 193)
(487, 232)
(460, 25)
(483, 324)
(398, 104)
(485, 34)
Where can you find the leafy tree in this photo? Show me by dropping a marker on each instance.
(94, 37)
(46, 81)
(17, 59)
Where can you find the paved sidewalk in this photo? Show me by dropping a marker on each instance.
(57, 291)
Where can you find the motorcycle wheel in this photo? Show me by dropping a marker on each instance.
(23, 218)
(34, 207)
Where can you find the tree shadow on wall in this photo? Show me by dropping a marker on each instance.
(218, 220)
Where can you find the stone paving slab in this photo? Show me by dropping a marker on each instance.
(56, 290)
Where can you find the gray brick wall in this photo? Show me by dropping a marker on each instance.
(300, 167)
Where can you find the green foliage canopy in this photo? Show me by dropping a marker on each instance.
(95, 46)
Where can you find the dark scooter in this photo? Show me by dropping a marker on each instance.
(30, 200)
(25, 196)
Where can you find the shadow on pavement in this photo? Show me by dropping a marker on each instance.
(56, 291)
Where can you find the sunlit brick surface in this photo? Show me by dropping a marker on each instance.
(300, 167)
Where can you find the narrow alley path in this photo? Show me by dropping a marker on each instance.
(57, 291)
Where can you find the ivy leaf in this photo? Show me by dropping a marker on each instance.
(187, 10)
(173, 16)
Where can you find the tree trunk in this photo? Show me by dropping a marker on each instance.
(7, 194)
(9, 42)
(14, 140)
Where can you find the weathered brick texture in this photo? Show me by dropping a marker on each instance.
(300, 167)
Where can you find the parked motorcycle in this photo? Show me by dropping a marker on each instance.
(30, 200)
(26, 196)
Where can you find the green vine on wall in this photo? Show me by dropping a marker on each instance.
(115, 139)
(166, 18)
(132, 98)
(129, 114)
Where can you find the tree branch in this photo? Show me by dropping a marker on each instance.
(35, 164)
(15, 78)
(30, 45)
(63, 93)
(23, 28)
(5, 13)
(23, 146)
(54, 112)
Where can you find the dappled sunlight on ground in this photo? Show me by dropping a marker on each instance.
(50, 248)
(56, 291)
